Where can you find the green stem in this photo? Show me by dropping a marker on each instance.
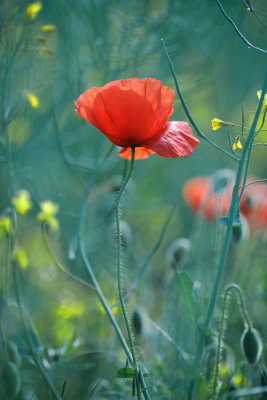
(94, 280)
(231, 217)
(230, 287)
(218, 352)
(233, 208)
(28, 338)
(117, 216)
(242, 302)
(148, 258)
(186, 109)
(56, 261)
(250, 45)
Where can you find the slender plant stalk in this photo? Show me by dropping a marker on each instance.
(46, 377)
(231, 217)
(245, 315)
(186, 109)
(95, 281)
(218, 352)
(148, 258)
(57, 263)
(117, 216)
(250, 45)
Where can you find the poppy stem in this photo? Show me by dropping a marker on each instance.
(94, 279)
(117, 216)
(242, 169)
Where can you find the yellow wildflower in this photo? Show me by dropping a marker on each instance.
(22, 202)
(48, 212)
(5, 226)
(237, 379)
(33, 10)
(218, 123)
(70, 308)
(48, 28)
(19, 255)
(237, 143)
(259, 92)
(224, 369)
(33, 100)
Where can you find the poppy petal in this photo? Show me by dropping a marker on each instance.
(174, 140)
(160, 97)
(127, 111)
(140, 153)
(122, 115)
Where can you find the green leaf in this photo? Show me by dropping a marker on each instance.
(126, 373)
(185, 286)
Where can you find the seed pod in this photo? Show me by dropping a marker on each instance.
(251, 345)
(176, 251)
(222, 180)
(10, 380)
(137, 322)
(240, 233)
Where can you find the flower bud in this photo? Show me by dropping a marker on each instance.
(222, 180)
(176, 251)
(137, 322)
(251, 345)
(241, 232)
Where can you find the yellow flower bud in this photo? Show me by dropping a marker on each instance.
(19, 255)
(5, 226)
(218, 123)
(22, 202)
(48, 212)
(33, 100)
(48, 28)
(237, 144)
(33, 10)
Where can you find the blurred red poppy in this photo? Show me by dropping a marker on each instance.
(134, 113)
(254, 205)
(212, 195)
(200, 196)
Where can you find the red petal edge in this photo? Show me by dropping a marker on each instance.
(140, 153)
(176, 139)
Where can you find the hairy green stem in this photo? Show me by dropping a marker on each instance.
(226, 297)
(218, 352)
(242, 304)
(117, 216)
(95, 281)
(148, 258)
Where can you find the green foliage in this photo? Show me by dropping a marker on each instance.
(56, 340)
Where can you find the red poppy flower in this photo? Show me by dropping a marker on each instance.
(254, 205)
(134, 113)
(199, 195)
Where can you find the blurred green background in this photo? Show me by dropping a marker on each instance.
(53, 153)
